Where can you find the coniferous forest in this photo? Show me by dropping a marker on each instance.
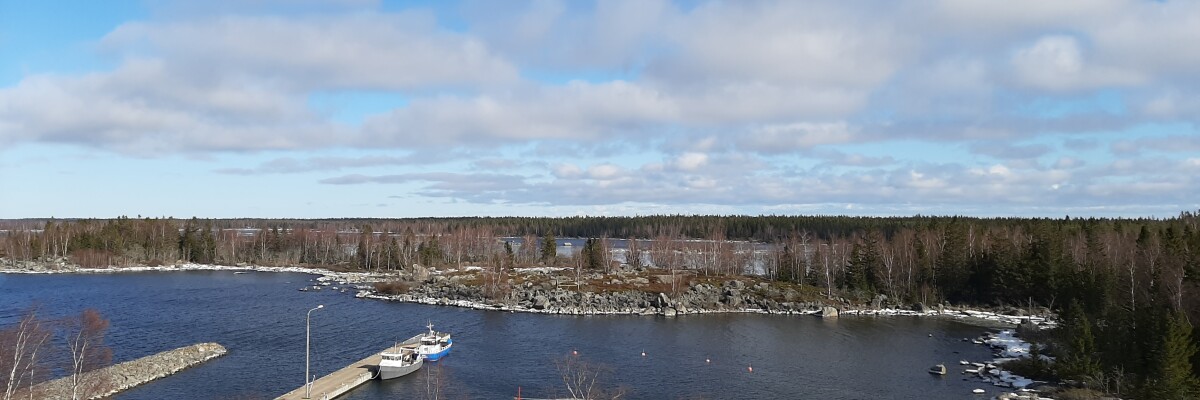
(1125, 290)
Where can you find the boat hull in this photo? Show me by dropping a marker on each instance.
(437, 355)
(396, 371)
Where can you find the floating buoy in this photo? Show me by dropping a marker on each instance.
(707, 361)
(643, 353)
(977, 391)
(574, 352)
(750, 368)
(930, 335)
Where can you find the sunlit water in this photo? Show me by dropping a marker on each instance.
(259, 317)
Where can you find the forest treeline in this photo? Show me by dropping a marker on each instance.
(1126, 286)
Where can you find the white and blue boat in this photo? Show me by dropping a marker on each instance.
(434, 345)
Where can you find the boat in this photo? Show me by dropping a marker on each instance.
(939, 369)
(434, 345)
(399, 361)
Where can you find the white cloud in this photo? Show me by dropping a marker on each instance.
(343, 51)
(567, 171)
(604, 171)
(1057, 62)
(786, 138)
(141, 108)
(690, 161)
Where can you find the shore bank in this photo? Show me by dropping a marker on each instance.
(124, 376)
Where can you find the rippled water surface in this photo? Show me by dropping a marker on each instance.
(259, 317)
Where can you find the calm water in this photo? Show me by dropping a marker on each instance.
(259, 317)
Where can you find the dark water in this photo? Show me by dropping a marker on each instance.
(259, 317)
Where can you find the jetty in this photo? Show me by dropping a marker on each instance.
(343, 380)
(109, 381)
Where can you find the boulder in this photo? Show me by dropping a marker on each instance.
(877, 302)
(663, 300)
(1027, 328)
(541, 302)
(829, 312)
(420, 274)
(920, 307)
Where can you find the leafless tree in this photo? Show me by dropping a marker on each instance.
(20, 347)
(85, 339)
(584, 380)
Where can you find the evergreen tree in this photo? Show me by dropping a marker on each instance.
(187, 241)
(784, 269)
(1079, 361)
(592, 257)
(1171, 376)
(950, 268)
(208, 244)
(549, 247)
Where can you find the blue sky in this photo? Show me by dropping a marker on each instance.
(362, 108)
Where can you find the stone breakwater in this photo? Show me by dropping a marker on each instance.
(126, 375)
(730, 296)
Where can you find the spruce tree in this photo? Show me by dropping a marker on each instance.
(549, 247)
(1171, 375)
(1079, 361)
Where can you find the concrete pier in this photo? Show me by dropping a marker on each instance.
(341, 381)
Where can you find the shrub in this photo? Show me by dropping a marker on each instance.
(392, 287)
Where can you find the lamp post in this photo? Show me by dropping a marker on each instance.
(307, 335)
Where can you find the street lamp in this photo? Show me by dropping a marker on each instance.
(307, 335)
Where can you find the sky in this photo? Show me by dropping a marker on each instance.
(363, 108)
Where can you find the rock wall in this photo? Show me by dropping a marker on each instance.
(126, 375)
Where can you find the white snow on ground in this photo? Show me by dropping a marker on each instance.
(538, 270)
(1008, 345)
(963, 314)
